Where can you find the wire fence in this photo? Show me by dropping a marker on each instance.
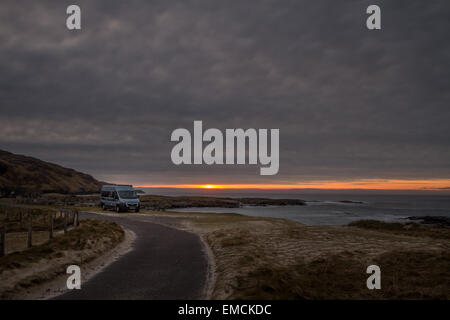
(24, 219)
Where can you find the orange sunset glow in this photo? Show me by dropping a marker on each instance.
(366, 184)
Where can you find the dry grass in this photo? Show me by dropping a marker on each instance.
(20, 270)
(86, 236)
(16, 217)
(260, 258)
(407, 229)
(18, 241)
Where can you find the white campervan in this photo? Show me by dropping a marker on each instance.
(119, 197)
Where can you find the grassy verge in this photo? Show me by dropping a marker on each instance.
(17, 217)
(408, 229)
(284, 260)
(263, 258)
(21, 270)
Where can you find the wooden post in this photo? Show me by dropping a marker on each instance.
(3, 241)
(51, 225)
(30, 230)
(21, 219)
(65, 222)
(75, 218)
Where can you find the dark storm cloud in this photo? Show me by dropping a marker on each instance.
(349, 102)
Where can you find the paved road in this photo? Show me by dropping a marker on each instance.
(166, 263)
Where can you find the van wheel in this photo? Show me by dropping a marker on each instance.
(117, 209)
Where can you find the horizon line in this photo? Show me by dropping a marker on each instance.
(362, 184)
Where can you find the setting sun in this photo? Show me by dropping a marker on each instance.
(211, 186)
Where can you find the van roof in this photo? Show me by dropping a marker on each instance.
(117, 187)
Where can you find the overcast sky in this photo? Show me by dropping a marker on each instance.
(350, 103)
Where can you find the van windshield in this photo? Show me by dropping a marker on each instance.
(128, 194)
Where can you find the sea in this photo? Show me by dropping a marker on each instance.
(326, 208)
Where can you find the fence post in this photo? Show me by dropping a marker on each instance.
(75, 218)
(51, 225)
(21, 221)
(3, 241)
(30, 230)
(65, 222)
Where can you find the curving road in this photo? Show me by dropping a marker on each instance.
(165, 263)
